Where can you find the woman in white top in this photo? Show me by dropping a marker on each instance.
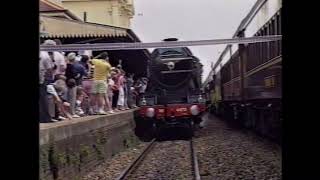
(109, 94)
(120, 85)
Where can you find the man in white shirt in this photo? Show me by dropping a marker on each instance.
(48, 66)
(56, 57)
(60, 62)
(44, 66)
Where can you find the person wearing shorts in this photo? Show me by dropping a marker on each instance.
(99, 87)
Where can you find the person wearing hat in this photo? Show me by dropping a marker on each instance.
(75, 70)
(102, 70)
(44, 67)
(48, 63)
(46, 76)
(71, 76)
(57, 58)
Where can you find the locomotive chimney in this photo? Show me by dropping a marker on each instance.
(170, 39)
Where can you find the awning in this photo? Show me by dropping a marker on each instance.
(47, 5)
(66, 28)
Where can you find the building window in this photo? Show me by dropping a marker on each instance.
(85, 16)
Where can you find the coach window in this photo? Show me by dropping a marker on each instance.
(276, 33)
(262, 48)
(230, 70)
(271, 43)
(268, 44)
(264, 45)
(279, 32)
(253, 55)
(257, 52)
(249, 55)
(266, 58)
(229, 67)
(280, 14)
(257, 58)
(273, 48)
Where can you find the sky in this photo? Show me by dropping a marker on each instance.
(155, 20)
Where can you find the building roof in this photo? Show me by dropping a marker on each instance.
(46, 5)
(65, 28)
(49, 8)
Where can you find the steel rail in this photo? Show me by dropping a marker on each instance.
(195, 162)
(137, 161)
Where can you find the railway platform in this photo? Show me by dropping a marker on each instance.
(71, 148)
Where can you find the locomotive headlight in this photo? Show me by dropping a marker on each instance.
(170, 65)
(143, 101)
(150, 112)
(194, 110)
(200, 99)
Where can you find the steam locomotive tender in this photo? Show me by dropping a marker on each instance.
(173, 97)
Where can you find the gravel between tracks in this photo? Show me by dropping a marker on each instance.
(228, 153)
(112, 168)
(167, 160)
(223, 153)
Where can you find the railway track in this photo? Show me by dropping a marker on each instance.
(164, 160)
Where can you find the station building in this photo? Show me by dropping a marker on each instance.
(57, 21)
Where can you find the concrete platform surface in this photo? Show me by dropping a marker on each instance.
(68, 128)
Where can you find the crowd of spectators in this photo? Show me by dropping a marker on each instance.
(74, 85)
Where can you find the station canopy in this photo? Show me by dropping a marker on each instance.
(74, 31)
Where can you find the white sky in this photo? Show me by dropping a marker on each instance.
(155, 20)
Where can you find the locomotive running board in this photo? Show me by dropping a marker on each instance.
(175, 71)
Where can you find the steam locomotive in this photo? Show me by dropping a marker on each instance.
(173, 98)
